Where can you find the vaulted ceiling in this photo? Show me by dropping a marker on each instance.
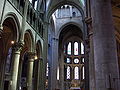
(52, 5)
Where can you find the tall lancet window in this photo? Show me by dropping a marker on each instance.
(76, 48)
(76, 73)
(73, 62)
(83, 72)
(82, 48)
(69, 48)
(68, 72)
(47, 71)
(58, 73)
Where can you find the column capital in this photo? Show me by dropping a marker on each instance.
(88, 21)
(18, 46)
(31, 56)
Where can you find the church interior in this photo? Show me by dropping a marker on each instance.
(60, 45)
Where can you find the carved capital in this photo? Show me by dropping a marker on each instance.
(88, 21)
(90, 33)
(17, 47)
(31, 56)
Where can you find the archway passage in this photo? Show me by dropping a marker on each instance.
(71, 62)
(7, 39)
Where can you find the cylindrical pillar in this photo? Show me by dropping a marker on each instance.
(62, 72)
(105, 54)
(54, 64)
(31, 57)
(16, 56)
(91, 55)
(39, 74)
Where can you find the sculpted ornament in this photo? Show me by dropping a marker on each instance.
(18, 47)
(31, 56)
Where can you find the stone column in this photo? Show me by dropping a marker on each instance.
(105, 54)
(16, 56)
(86, 63)
(62, 72)
(42, 75)
(1, 61)
(39, 74)
(54, 63)
(91, 55)
(45, 49)
(30, 64)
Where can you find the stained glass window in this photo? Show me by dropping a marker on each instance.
(76, 73)
(68, 60)
(83, 60)
(76, 48)
(76, 60)
(82, 48)
(58, 73)
(73, 60)
(69, 48)
(83, 72)
(68, 72)
(8, 61)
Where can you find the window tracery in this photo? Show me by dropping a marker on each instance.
(74, 60)
(68, 72)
